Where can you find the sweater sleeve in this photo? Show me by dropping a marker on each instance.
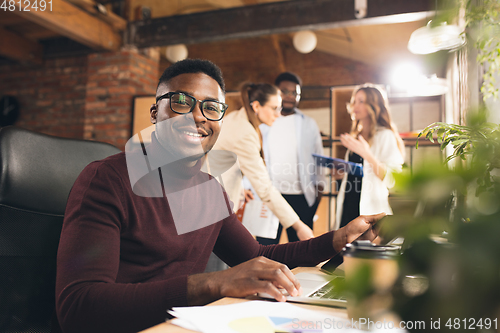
(88, 296)
(252, 165)
(236, 245)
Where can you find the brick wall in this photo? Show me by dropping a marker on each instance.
(51, 96)
(113, 79)
(86, 97)
(91, 96)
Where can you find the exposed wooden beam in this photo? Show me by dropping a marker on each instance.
(90, 6)
(76, 24)
(9, 18)
(270, 18)
(41, 34)
(279, 52)
(31, 30)
(18, 48)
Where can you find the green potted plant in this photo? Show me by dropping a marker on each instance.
(449, 272)
(454, 237)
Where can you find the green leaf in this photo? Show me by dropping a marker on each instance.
(440, 134)
(429, 136)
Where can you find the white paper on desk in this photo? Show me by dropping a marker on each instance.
(259, 220)
(185, 324)
(257, 316)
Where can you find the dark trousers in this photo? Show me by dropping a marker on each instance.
(305, 213)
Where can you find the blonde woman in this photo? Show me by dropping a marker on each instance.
(374, 142)
(240, 134)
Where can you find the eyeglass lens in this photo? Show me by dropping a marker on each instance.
(289, 92)
(184, 104)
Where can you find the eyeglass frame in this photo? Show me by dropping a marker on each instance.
(290, 93)
(169, 94)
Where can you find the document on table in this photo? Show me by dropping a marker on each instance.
(251, 316)
(262, 317)
(259, 220)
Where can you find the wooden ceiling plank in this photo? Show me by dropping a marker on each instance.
(18, 48)
(270, 18)
(41, 34)
(76, 24)
(102, 12)
(8, 18)
(371, 46)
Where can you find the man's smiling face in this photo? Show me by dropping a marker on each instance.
(187, 135)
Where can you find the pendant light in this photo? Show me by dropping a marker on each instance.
(430, 39)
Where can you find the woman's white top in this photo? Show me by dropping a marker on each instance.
(374, 191)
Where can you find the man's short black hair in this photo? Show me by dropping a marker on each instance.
(288, 76)
(193, 66)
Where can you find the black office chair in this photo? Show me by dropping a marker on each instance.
(37, 172)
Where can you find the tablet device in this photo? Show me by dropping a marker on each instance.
(351, 168)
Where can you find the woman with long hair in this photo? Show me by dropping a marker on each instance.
(373, 141)
(240, 134)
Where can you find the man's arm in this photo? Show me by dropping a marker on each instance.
(88, 296)
(91, 298)
(251, 277)
(269, 268)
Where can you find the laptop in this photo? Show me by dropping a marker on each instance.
(318, 289)
(322, 289)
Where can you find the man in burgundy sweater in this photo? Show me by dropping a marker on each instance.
(126, 254)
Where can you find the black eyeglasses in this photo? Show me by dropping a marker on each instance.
(290, 93)
(183, 103)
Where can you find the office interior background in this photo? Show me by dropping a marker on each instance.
(88, 69)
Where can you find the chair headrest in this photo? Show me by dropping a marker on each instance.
(37, 171)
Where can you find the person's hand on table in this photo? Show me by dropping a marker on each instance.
(361, 227)
(251, 277)
(265, 275)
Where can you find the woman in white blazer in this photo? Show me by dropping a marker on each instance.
(240, 134)
(374, 142)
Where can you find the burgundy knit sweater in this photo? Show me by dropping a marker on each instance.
(121, 262)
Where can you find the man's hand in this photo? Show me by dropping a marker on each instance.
(251, 277)
(302, 230)
(361, 227)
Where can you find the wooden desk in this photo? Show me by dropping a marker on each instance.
(168, 327)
